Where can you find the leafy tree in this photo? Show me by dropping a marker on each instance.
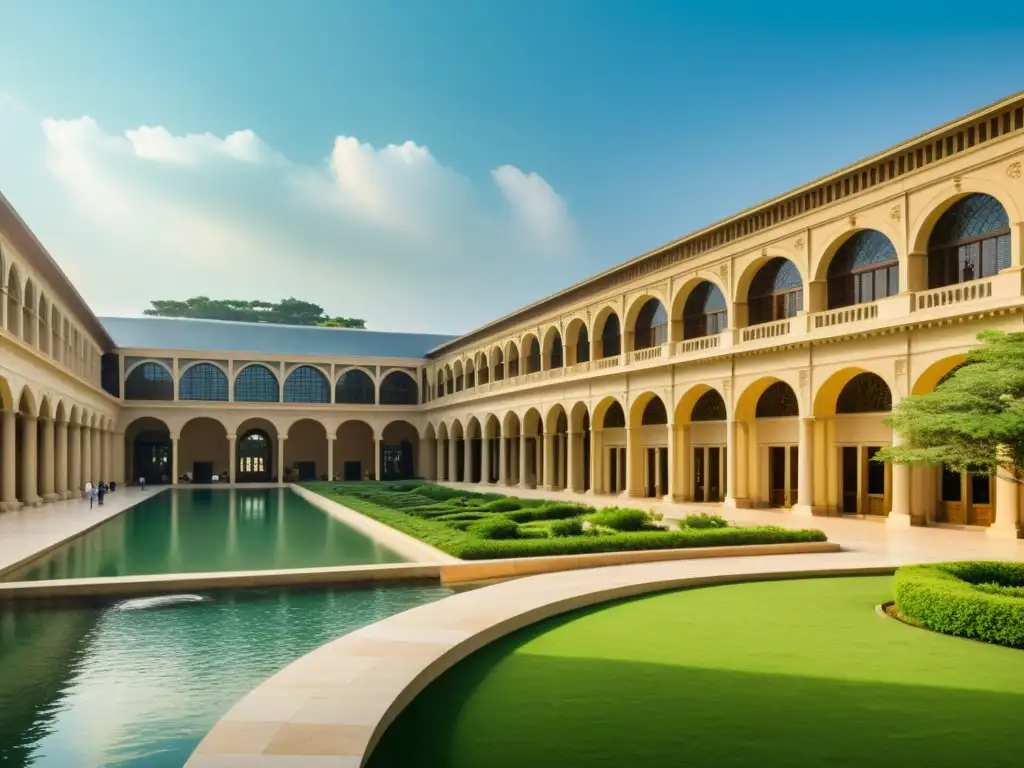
(288, 311)
(974, 420)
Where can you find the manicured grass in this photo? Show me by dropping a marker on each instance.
(801, 674)
(479, 526)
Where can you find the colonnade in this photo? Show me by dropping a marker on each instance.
(54, 458)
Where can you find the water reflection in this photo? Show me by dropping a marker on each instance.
(186, 531)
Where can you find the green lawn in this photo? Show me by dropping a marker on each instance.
(791, 673)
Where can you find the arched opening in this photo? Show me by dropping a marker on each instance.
(779, 402)
(483, 374)
(203, 381)
(776, 292)
(577, 342)
(14, 302)
(609, 446)
(354, 453)
(532, 450)
(424, 389)
(460, 382)
(457, 463)
(307, 384)
(511, 434)
(305, 452)
(705, 312)
(255, 452)
(865, 268)
(399, 451)
(149, 381)
(440, 383)
(398, 388)
(579, 457)
(444, 466)
(611, 336)
(470, 373)
(492, 449)
(355, 387)
(556, 449)
(532, 350)
(147, 451)
(651, 326)
(56, 347)
(970, 241)
(701, 444)
(449, 380)
(29, 322)
(256, 384)
(497, 363)
(203, 452)
(553, 354)
(473, 450)
(648, 473)
(512, 358)
(44, 325)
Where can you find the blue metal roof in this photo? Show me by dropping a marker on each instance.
(222, 335)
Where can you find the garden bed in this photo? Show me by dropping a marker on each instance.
(481, 526)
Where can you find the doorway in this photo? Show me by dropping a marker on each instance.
(783, 469)
(202, 472)
(306, 470)
(352, 471)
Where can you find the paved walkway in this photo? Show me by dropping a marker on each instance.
(330, 707)
(30, 531)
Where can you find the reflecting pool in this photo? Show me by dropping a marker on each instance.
(92, 686)
(190, 531)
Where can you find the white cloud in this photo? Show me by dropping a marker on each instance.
(389, 234)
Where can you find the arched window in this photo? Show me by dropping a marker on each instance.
(970, 241)
(776, 292)
(533, 359)
(651, 328)
(440, 383)
(865, 268)
(583, 345)
(778, 400)
(398, 388)
(709, 407)
(611, 337)
(513, 361)
(13, 302)
(256, 384)
(149, 381)
(254, 456)
(614, 417)
(498, 363)
(449, 380)
(203, 381)
(482, 374)
(865, 393)
(307, 384)
(654, 413)
(555, 355)
(423, 386)
(355, 387)
(459, 377)
(704, 313)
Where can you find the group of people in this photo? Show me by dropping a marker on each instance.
(98, 492)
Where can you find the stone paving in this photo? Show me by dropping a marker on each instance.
(331, 706)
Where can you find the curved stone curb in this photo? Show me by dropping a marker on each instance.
(331, 706)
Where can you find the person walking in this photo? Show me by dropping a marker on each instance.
(142, 483)
(101, 491)
(90, 493)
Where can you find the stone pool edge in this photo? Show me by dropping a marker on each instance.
(333, 704)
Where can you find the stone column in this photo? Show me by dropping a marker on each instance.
(503, 460)
(119, 477)
(485, 461)
(8, 479)
(453, 460)
(805, 471)
(60, 450)
(672, 480)
(86, 434)
(376, 458)
(97, 456)
(549, 461)
(684, 464)
(1007, 522)
(108, 456)
(523, 477)
(467, 459)
(732, 472)
(29, 477)
(563, 481)
(633, 485)
(47, 469)
(330, 458)
(174, 459)
(233, 455)
(280, 458)
(438, 459)
(597, 484)
(75, 460)
(900, 514)
(573, 461)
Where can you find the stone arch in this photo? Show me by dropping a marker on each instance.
(400, 451)
(607, 332)
(512, 359)
(256, 451)
(859, 266)
(579, 417)
(553, 349)
(257, 383)
(307, 384)
(972, 239)
(829, 392)
(532, 354)
(147, 448)
(640, 408)
(449, 380)
(470, 373)
(203, 380)
(398, 388)
(355, 386)
(203, 450)
(704, 281)
(771, 288)
(511, 424)
(305, 455)
(556, 419)
(29, 324)
(698, 393)
(747, 404)
(930, 377)
(148, 380)
(44, 323)
(923, 224)
(6, 395)
(647, 321)
(28, 401)
(459, 374)
(496, 362)
(483, 368)
(61, 412)
(56, 321)
(355, 451)
(577, 341)
(14, 300)
(491, 425)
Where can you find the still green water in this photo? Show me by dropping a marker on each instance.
(190, 531)
(105, 687)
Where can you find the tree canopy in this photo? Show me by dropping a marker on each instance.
(974, 419)
(288, 311)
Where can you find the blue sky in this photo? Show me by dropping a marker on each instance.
(549, 140)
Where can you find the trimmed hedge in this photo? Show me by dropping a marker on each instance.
(972, 599)
(461, 526)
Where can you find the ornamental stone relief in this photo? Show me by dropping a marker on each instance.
(1013, 170)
